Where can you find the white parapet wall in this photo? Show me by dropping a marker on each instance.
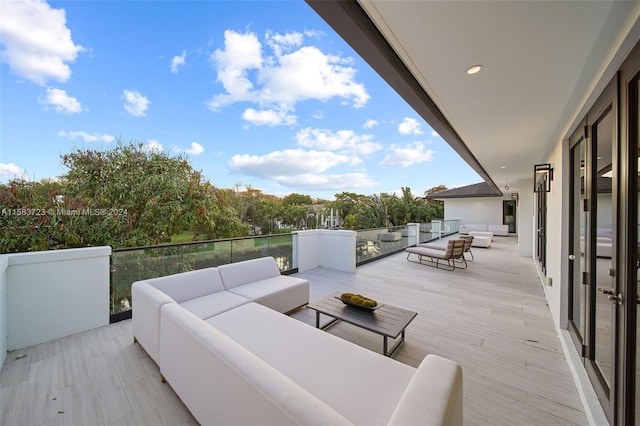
(4, 263)
(57, 293)
(325, 248)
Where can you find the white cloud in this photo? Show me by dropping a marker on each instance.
(62, 102)
(308, 73)
(337, 182)
(409, 126)
(86, 137)
(300, 169)
(289, 162)
(178, 61)
(12, 171)
(435, 134)
(343, 141)
(292, 73)
(194, 149)
(153, 145)
(280, 43)
(242, 52)
(135, 103)
(408, 155)
(37, 43)
(269, 117)
(370, 124)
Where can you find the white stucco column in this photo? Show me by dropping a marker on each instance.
(325, 248)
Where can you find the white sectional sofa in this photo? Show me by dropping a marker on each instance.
(501, 230)
(253, 365)
(211, 291)
(224, 345)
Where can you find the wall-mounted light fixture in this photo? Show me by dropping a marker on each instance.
(542, 177)
(515, 196)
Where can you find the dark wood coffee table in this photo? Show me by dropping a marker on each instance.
(387, 320)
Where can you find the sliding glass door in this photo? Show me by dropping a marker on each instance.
(593, 290)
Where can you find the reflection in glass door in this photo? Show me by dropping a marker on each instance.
(509, 215)
(604, 241)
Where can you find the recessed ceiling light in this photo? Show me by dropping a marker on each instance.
(503, 167)
(474, 69)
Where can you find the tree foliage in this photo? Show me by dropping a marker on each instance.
(297, 199)
(384, 210)
(123, 197)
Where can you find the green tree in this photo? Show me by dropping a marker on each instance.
(123, 197)
(35, 216)
(158, 195)
(297, 199)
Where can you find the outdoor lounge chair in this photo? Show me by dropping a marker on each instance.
(435, 257)
(468, 240)
(442, 245)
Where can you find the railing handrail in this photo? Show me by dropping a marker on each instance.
(189, 243)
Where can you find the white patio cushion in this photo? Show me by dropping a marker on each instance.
(213, 304)
(282, 293)
(236, 274)
(358, 383)
(435, 393)
(189, 285)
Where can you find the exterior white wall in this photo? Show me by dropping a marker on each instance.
(481, 210)
(525, 218)
(4, 262)
(555, 293)
(52, 294)
(324, 248)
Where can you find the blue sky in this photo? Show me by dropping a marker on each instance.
(253, 93)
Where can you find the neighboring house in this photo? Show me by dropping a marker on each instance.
(478, 203)
(545, 96)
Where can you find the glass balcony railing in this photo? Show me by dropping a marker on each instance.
(378, 242)
(133, 264)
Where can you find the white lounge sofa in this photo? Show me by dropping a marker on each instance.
(253, 365)
(501, 230)
(211, 291)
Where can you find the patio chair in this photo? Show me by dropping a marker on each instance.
(468, 239)
(442, 245)
(434, 257)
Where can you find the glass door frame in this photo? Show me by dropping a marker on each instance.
(627, 411)
(578, 137)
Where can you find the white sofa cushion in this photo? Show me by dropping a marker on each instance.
(426, 396)
(240, 273)
(501, 230)
(223, 383)
(281, 293)
(467, 227)
(213, 304)
(189, 285)
(147, 302)
(481, 241)
(363, 386)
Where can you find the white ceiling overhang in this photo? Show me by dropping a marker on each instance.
(542, 62)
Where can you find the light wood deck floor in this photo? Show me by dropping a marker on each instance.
(491, 318)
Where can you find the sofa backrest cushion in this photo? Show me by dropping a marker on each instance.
(189, 285)
(240, 273)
